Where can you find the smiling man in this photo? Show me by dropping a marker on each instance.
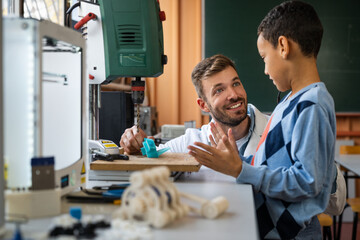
(222, 95)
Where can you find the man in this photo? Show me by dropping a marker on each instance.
(220, 93)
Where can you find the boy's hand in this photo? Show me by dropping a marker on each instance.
(216, 137)
(131, 140)
(224, 159)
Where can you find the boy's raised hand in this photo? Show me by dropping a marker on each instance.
(223, 158)
(216, 137)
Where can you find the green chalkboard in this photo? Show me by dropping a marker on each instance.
(231, 29)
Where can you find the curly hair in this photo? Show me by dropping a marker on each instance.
(207, 68)
(295, 20)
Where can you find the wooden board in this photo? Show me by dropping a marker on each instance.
(179, 162)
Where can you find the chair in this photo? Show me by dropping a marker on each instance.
(325, 222)
(354, 203)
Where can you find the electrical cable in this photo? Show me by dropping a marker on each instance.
(38, 9)
(68, 13)
(46, 10)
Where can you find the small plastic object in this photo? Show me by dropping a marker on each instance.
(149, 149)
(17, 234)
(75, 212)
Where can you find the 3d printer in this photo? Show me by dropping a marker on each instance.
(45, 114)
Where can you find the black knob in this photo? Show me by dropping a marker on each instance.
(164, 59)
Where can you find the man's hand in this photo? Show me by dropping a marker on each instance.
(132, 140)
(224, 159)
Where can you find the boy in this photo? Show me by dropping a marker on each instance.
(293, 168)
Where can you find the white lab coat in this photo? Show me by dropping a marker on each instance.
(192, 135)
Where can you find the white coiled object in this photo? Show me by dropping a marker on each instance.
(154, 199)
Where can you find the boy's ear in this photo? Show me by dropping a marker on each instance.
(202, 104)
(284, 48)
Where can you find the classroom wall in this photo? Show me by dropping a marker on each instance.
(173, 93)
(233, 32)
(348, 126)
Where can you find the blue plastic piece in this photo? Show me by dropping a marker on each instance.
(17, 235)
(75, 212)
(42, 161)
(149, 149)
(114, 193)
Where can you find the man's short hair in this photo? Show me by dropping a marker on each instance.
(295, 20)
(207, 68)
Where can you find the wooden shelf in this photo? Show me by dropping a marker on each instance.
(347, 114)
(348, 133)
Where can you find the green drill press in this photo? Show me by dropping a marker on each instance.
(124, 39)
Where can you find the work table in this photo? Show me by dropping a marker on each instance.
(239, 220)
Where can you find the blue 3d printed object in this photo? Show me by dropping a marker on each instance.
(149, 149)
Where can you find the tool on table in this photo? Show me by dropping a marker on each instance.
(115, 193)
(112, 187)
(105, 150)
(96, 196)
(77, 225)
(108, 157)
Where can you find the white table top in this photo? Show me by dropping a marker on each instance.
(350, 161)
(238, 222)
(205, 175)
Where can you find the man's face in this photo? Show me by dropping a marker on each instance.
(275, 66)
(225, 97)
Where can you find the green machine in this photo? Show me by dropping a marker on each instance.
(129, 35)
(124, 39)
(133, 38)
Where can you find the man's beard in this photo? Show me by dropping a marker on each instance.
(220, 116)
